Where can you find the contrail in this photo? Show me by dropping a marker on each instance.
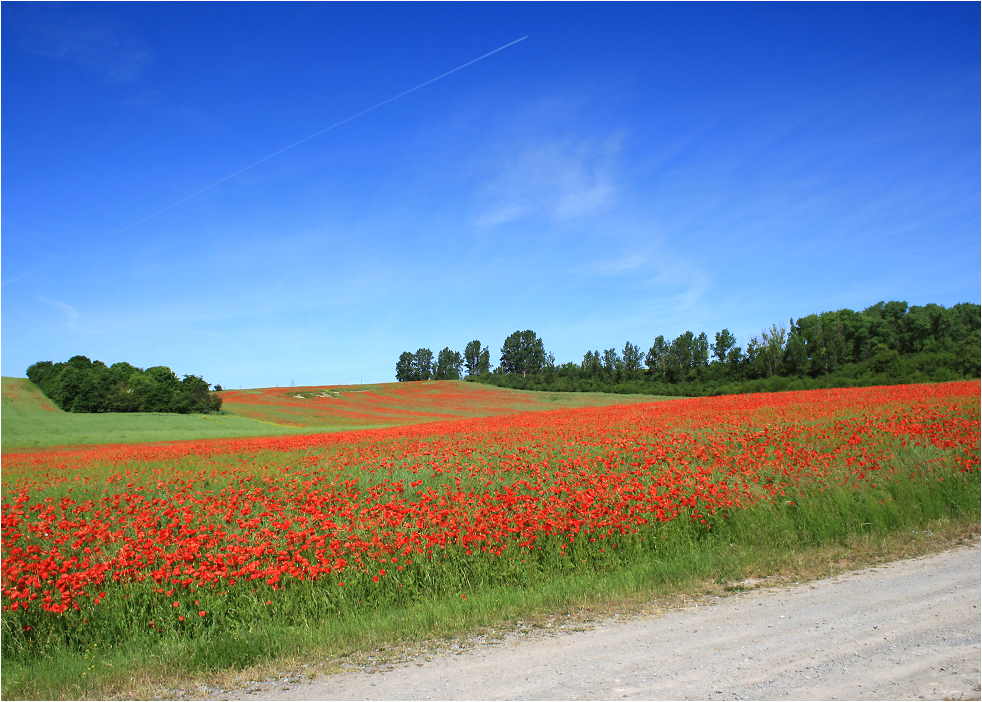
(325, 130)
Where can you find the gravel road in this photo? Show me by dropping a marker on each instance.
(907, 630)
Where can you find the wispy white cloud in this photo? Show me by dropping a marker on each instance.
(561, 179)
(615, 266)
(71, 314)
(667, 278)
(660, 288)
(691, 293)
(501, 215)
(682, 285)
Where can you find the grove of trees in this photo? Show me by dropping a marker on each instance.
(889, 342)
(82, 385)
(420, 365)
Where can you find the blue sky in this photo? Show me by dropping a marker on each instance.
(628, 170)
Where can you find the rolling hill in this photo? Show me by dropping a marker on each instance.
(31, 420)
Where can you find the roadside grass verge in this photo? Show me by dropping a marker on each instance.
(804, 534)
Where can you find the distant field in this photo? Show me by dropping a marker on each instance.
(393, 404)
(31, 420)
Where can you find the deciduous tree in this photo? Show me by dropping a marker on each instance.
(657, 357)
(612, 363)
(484, 362)
(591, 365)
(724, 342)
(404, 367)
(523, 353)
(422, 364)
(448, 364)
(472, 357)
(633, 358)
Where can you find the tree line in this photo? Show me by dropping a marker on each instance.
(82, 385)
(522, 353)
(889, 342)
(449, 364)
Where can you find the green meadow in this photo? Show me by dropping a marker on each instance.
(31, 420)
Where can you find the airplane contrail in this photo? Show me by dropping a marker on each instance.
(319, 132)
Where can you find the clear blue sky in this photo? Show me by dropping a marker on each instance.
(627, 171)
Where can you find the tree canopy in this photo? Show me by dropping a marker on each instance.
(889, 342)
(82, 385)
(522, 353)
(448, 365)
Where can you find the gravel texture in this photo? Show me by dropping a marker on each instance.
(906, 630)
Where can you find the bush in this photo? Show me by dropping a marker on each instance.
(81, 385)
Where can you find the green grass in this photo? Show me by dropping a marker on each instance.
(31, 420)
(802, 535)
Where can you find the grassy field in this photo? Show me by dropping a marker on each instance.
(31, 420)
(133, 571)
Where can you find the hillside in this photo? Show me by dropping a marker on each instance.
(31, 420)
(394, 404)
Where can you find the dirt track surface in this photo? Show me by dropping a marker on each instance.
(907, 630)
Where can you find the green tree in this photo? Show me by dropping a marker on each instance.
(885, 321)
(193, 395)
(724, 342)
(796, 351)
(121, 396)
(38, 373)
(163, 392)
(93, 390)
(405, 369)
(657, 358)
(523, 353)
(700, 353)
(472, 357)
(612, 363)
(633, 358)
(591, 365)
(448, 364)
(82, 385)
(80, 362)
(681, 357)
(422, 364)
(773, 341)
(484, 362)
(754, 362)
(831, 348)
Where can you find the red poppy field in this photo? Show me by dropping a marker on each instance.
(391, 404)
(198, 540)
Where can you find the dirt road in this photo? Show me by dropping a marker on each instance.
(907, 630)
